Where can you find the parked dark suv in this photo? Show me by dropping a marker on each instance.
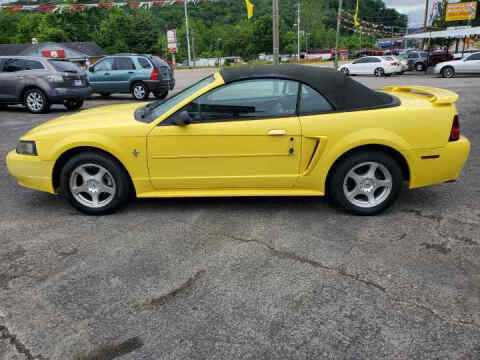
(38, 82)
(139, 75)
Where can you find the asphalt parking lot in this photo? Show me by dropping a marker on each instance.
(253, 278)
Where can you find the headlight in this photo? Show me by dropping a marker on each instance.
(55, 78)
(26, 148)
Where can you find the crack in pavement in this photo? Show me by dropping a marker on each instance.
(5, 334)
(110, 352)
(172, 294)
(341, 271)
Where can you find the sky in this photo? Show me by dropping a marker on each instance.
(415, 9)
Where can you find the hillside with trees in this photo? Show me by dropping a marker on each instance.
(217, 27)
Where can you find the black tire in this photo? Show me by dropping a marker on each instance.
(379, 72)
(420, 67)
(3, 106)
(73, 105)
(121, 182)
(36, 101)
(448, 72)
(105, 94)
(161, 95)
(140, 91)
(338, 183)
(345, 71)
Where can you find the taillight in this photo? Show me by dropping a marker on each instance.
(394, 64)
(455, 132)
(154, 75)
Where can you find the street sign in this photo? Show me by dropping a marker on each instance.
(461, 11)
(172, 41)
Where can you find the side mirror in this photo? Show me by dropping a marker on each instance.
(183, 118)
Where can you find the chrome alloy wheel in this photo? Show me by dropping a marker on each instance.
(35, 101)
(139, 91)
(367, 185)
(92, 185)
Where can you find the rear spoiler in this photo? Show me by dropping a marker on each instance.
(437, 96)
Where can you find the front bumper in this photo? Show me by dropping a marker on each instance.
(447, 167)
(159, 86)
(31, 171)
(59, 95)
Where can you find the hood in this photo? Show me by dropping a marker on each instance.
(112, 116)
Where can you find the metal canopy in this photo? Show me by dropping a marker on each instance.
(453, 33)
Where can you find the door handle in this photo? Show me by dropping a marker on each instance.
(20, 77)
(107, 74)
(277, 132)
(131, 72)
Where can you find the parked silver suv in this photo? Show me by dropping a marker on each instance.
(38, 82)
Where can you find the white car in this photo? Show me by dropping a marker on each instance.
(372, 65)
(467, 65)
(403, 63)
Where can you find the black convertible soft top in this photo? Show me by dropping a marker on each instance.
(343, 93)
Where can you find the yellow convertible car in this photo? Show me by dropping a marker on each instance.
(283, 130)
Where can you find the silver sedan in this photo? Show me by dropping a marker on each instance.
(468, 65)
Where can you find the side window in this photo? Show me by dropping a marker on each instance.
(244, 100)
(123, 63)
(374, 60)
(413, 56)
(144, 63)
(12, 65)
(312, 102)
(473, 57)
(361, 60)
(32, 65)
(105, 65)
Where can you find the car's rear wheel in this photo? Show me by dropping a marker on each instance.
(379, 72)
(161, 95)
(420, 67)
(448, 72)
(94, 183)
(73, 104)
(365, 183)
(140, 91)
(345, 71)
(36, 101)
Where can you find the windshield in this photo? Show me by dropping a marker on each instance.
(154, 110)
(64, 66)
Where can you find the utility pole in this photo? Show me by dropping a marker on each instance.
(339, 22)
(193, 48)
(425, 18)
(298, 31)
(276, 46)
(187, 31)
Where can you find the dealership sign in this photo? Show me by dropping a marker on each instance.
(172, 41)
(461, 11)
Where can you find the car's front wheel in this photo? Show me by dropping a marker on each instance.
(448, 72)
(345, 71)
(94, 183)
(365, 183)
(36, 101)
(140, 91)
(73, 104)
